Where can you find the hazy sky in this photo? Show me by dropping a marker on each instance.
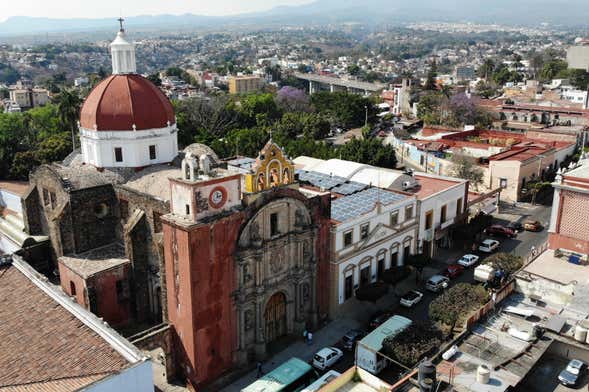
(110, 8)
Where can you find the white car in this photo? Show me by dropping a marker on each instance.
(468, 260)
(326, 357)
(411, 298)
(488, 246)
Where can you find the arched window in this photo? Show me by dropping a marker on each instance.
(285, 177)
(72, 288)
(261, 182)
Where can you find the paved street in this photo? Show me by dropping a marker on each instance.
(331, 334)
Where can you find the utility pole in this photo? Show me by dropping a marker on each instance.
(366, 117)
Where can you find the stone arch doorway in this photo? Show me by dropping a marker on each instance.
(275, 317)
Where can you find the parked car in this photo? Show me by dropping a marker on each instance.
(437, 283)
(516, 226)
(574, 371)
(411, 298)
(352, 337)
(453, 271)
(533, 226)
(489, 246)
(379, 318)
(500, 231)
(326, 357)
(468, 260)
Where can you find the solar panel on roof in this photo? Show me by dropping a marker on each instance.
(360, 203)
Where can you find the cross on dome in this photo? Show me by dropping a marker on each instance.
(121, 20)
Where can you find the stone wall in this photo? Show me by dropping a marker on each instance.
(144, 247)
(159, 336)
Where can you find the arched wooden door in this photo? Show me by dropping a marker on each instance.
(275, 317)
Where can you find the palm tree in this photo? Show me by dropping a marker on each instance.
(68, 107)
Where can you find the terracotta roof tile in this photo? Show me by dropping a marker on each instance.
(43, 344)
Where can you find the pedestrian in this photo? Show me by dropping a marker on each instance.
(309, 338)
(260, 371)
(533, 251)
(305, 335)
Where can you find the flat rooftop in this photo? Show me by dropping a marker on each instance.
(489, 343)
(582, 171)
(96, 260)
(431, 185)
(557, 269)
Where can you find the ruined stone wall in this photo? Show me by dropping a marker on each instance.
(144, 244)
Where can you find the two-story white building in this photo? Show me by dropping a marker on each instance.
(442, 202)
(373, 230)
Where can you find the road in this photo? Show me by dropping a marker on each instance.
(521, 246)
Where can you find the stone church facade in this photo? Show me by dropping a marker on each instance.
(254, 269)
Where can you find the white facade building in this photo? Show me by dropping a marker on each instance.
(376, 230)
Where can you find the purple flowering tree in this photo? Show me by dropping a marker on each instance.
(292, 99)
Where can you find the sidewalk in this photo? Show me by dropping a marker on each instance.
(326, 336)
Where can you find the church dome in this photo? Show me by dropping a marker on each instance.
(126, 102)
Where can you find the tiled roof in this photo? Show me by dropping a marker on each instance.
(45, 346)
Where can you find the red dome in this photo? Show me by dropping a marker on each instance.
(120, 101)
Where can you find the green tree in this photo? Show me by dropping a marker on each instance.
(370, 151)
(579, 78)
(22, 164)
(430, 83)
(419, 262)
(68, 107)
(409, 346)
(552, 68)
(54, 148)
(486, 70)
(353, 69)
(344, 109)
(454, 304)
(507, 262)
(465, 167)
(252, 105)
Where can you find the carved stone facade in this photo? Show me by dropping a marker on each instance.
(274, 267)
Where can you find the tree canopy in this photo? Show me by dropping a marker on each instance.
(455, 303)
(419, 339)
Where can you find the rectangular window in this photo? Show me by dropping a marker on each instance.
(365, 276)
(364, 229)
(443, 213)
(348, 238)
(152, 154)
(187, 209)
(395, 218)
(406, 252)
(394, 258)
(429, 220)
(118, 154)
(274, 224)
(349, 287)
(459, 206)
(409, 212)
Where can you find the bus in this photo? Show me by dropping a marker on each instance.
(292, 376)
(322, 381)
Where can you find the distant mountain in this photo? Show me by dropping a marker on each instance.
(514, 12)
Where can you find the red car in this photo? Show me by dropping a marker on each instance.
(502, 231)
(453, 271)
